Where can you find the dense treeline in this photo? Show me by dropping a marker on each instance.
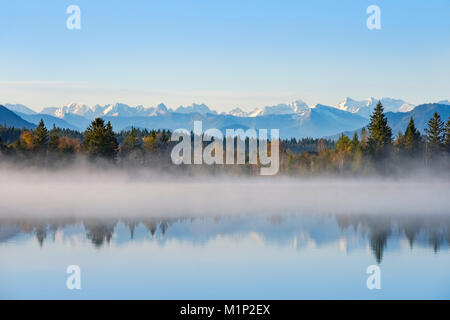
(375, 150)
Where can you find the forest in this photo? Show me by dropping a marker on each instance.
(374, 151)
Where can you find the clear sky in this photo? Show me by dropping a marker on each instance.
(234, 53)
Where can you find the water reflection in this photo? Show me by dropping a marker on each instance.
(283, 230)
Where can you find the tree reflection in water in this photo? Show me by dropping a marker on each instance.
(377, 229)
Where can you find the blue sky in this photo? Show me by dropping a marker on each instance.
(223, 53)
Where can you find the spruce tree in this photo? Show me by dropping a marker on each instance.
(356, 145)
(131, 142)
(435, 133)
(447, 135)
(411, 139)
(99, 140)
(380, 134)
(53, 140)
(40, 137)
(399, 142)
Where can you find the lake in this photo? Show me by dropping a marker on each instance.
(246, 256)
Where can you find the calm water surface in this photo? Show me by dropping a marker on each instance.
(286, 256)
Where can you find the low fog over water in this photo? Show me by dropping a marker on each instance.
(112, 193)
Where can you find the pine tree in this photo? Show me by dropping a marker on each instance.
(411, 139)
(356, 145)
(447, 135)
(131, 142)
(99, 139)
(399, 142)
(40, 137)
(53, 140)
(380, 134)
(434, 133)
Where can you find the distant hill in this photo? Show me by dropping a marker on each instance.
(398, 121)
(19, 108)
(10, 119)
(48, 121)
(421, 115)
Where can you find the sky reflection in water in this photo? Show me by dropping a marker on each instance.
(277, 257)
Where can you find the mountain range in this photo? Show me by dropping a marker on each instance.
(11, 119)
(398, 121)
(295, 119)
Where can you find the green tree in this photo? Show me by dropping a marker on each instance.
(434, 133)
(356, 145)
(399, 142)
(131, 142)
(99, 140)
(411, 139)
(40, 137)
(343, 144)
(380, 134)
(447, 135)
(53, 140)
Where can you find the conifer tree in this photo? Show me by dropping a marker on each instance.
(447, 135)
(99, 139)
(131, 142)
(434, 133)
(53, 140)
(380, 134)
(356, 145)
(411, 139)
(40, 137)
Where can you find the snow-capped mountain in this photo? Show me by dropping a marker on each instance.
(122, 110)
(294, 107)
(365, 107)
(160, 109)
(195, 108)
(110, 110)
(73, 108)
(295, 119)
(237, 112)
